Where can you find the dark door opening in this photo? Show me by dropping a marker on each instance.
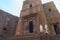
(56, 29)
(31, 27)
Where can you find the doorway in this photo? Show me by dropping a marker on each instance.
(31, 26)
(56, 28)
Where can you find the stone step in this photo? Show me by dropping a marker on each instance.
(36, 37)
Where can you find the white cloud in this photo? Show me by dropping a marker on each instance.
(19, 6)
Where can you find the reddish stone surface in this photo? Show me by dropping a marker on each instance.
(34, 13)
(8, 25)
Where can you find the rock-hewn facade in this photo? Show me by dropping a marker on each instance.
(52, 16)
(8, 25)
(38, 14)
(37, 21)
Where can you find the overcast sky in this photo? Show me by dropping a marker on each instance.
(14, 6)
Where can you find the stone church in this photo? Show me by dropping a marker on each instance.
(36, 18)
(37, 21)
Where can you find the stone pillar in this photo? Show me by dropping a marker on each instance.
(19, 28)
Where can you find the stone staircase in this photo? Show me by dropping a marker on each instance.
(36, 37)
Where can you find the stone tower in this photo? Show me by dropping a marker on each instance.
(52, 16)
(32, 18)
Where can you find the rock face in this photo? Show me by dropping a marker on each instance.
(8, 25)
(37, 21)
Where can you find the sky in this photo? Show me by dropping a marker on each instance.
(14, 6)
